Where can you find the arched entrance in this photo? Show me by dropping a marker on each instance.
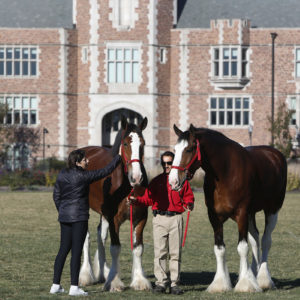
(111, 124)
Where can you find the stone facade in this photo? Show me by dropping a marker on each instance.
(176, 73)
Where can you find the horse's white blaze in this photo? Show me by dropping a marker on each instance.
(247, 281)
(100, 266)
(139, 281)
(173, 176)
(113, 282)
(86, 275)
(221, 282)
(135, 154)
(263, 276)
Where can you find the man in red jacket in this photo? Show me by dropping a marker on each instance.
(167, 206)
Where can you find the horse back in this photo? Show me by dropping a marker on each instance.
(270, 178)
(99, 157)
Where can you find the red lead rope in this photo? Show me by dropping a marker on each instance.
(131, 225)
(186, 227)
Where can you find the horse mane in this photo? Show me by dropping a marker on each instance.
(120, 135)
(213, 135)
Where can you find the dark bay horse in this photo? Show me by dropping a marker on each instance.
(108, 198)
(239, 182)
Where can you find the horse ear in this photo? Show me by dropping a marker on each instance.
(177, 130)
(144, 123)
(192, 129)
(123, 122)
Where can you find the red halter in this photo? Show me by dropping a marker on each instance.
(197, 155)
(127, 161)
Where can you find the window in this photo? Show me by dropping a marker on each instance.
(20, 110)
(17, 157)
(18, 61)
(229, 111)
(123, 65)
(230, 66)
(298, 63)
(125, 12)
(294, 105)
(162, 55)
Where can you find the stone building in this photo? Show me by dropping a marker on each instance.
(74, 67)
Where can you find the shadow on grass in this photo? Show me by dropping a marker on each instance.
(206, 278)
(203, 278)
(286, 284)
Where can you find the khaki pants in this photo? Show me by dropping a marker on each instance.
(167, 237)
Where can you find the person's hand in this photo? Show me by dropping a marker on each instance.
(131, 200)
(190, 206)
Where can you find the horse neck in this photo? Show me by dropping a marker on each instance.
(211, 158)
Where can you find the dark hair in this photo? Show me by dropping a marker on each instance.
(74, 157)
(167, 153)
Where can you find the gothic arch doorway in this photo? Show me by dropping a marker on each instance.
(111, 123)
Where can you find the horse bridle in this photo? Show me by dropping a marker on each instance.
(127, 161)
(186, 169)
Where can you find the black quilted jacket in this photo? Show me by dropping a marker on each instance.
(71, 191)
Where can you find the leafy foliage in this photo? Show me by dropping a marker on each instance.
(293, 182)
(20, 137)
(280, 130)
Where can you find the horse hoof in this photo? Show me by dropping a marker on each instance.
(246, 286)
(141, 285)
(220, 285)
(114, 286)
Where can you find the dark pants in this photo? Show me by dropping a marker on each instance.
(72, 237)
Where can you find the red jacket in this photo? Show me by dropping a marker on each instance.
(160, 196)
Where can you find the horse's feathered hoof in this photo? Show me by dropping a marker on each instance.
(247, 286)
(116, 285)
(141, 284)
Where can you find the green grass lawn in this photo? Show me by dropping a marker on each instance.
(29, 241)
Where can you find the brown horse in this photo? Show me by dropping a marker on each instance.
(238, 183)
(108, 198)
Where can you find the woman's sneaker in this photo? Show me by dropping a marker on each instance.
(76, 291)
(56, 289)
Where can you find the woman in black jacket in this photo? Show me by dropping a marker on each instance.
(71, 198)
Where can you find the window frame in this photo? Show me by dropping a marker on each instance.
(123, 62)
(18, 162)
(296, 108)
(233, 109)
(230, 80)
(297, 62)
(19, 61)
(22, 110)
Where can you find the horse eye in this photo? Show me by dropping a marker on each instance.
(189, 150)
(125, 144)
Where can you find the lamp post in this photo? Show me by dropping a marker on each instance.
(273, 36)
(250, 130)
(45, 131)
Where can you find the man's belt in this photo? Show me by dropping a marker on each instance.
(165, 213)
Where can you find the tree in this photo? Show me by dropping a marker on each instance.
(16, 139)
(280, 130)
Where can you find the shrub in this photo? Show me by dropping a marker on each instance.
(22, 178)
(293, 181)
(51, 163)
(51, 177)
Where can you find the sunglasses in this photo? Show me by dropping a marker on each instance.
(169, 163)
